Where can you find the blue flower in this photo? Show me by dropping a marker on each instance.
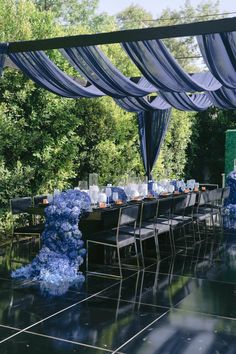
(57, 263)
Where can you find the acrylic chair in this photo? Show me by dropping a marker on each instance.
(146, 226)
(116, 238)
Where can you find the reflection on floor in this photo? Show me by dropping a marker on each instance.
(179, 305)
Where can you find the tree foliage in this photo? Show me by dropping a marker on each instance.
(206, 152)
(134, 16)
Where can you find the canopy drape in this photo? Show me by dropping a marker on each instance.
(45, 73)
(137, 104)
(162, 74)
(92, 63)
(219, 53)
(161, 69)
(179, 100)
(223, 98)
(184, 102)
(152, 129)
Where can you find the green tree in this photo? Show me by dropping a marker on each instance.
(207, 149)
(134, 16)
(70, 12)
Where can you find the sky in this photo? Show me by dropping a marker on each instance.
(156, 6)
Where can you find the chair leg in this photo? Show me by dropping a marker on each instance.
(136, 251)
(194, 231)
(141, 249)
(157, 246)
(184, 236)
(173, 241)
(171, 245)
(213, 223)
(119, 262)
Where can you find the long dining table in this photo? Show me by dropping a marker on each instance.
(98, 219)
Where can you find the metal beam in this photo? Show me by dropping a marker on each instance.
(184, 30)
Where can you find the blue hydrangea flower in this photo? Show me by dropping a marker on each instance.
(57, 264)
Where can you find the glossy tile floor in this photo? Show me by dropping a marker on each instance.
(181, 305)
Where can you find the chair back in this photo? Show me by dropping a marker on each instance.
(179, 204)
(203, 198)
(212, 196)
(191, 200)
(20, 205)
(219, 195)
(164, 207)
(128, 215)
(148, 211)
(38, 199)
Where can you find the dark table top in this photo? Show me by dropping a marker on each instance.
(98, 218)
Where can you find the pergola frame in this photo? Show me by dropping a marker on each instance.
(183, 30)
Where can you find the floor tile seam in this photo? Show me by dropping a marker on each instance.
(156, 263)
(11, 279)
(205, 314)
(10, 327)
(58, 312)
(67, 341)
(134, 302)
(124, 278)
(117, 282)
(189, 276)
(108, 277)
(143, 268)
(138, 333)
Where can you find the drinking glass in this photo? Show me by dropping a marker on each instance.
(115, 196)
(102, 198)
(171, 188)
(127, 190)
(143, 189)
(108, 194)
(155, 187)
(93, 193)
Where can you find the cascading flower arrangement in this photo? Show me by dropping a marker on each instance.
(230, 204)
(62, 253)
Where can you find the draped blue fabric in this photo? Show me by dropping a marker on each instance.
(3, 51)
(161, 69)
(137, 104)
(162, 74)
(223, 98)
(152, 129)
(45, 73)
(92, 63)
(179, 100)
(219, 53)
(184, 102)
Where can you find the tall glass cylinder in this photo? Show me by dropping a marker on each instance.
(93, 179)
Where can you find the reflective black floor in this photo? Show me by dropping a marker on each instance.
(184, 304)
